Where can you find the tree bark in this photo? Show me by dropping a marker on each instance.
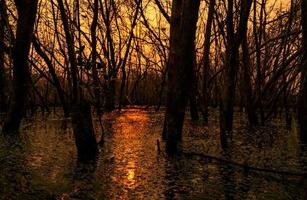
(84, 132)
(180, 68)
(21, 78)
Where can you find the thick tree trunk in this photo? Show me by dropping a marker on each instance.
(180, 69)
(84, 131)
(26, 18)
(302, 98)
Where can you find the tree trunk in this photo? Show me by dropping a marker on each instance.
(180, 69)
(84, 133)
(247, 85)
(193, 98)
(96, 82)
(206, 60)
(234, 40)
(110, 95)
(25, 23)
(122, 93)
(228, 95)
(247, 76)
(302, 98)
(2, 69)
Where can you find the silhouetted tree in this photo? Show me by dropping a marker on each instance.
(180, 67)
(84, 133)
(233, 41)
(21, 74)
(206, 59)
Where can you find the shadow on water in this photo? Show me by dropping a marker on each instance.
(43, 163)
(83, 184)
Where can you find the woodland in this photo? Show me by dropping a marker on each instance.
(225, 64)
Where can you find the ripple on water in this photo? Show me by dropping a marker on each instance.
(44, 165)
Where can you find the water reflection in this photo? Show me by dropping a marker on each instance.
(130, 174)
(129, 166)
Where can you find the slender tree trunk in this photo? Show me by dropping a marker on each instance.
(25, 23)
(2, 69)
(247, 76)
(247, 85)
(96, 82)
(233, 42)
(228, 95)
(180, 69)
(302, 98)
(234, 39)
(206, 60)
(257, 38)
(56, 81)
(71, 53)
(122, 88)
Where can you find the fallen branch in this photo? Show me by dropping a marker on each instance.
(245, 166)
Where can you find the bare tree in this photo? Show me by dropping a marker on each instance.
(206, 59)
(26, 18)
(81, 113)
(180, 68)
(233, 41)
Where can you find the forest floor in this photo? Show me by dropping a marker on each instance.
(42, 163)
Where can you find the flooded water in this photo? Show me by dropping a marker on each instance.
(42, 163)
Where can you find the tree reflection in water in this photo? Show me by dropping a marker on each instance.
(44, 165)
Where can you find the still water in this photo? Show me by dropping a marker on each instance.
(42, 163)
